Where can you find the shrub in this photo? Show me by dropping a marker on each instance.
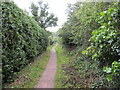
(22, 40)
(106, 38)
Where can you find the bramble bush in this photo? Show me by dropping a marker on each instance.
(22, 40)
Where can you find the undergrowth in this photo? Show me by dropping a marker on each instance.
(76, 70)
(62, 61)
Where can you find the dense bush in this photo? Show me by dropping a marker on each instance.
(95, 26)
(22, 39)
(81, 22)
(113, 74)
(105, 46)
(66, 36)
(106, 38)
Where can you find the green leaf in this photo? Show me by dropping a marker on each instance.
(84, 52)
(107, 69)
(89, 48)
(109, 18)
(102, 14)
(94, 56)
(109, 77)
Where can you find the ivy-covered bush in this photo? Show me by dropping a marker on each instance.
(106, 39)
(105, 46)
(113, 74)
(22, 40)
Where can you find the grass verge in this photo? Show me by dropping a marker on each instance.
(75, 71)
(62, 60)
(28, 77)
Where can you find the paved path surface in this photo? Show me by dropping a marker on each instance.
(48, 76)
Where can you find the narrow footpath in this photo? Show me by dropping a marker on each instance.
(48, 76)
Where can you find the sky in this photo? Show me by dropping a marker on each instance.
(58, 7)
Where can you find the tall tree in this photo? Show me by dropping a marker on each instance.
(42, 16)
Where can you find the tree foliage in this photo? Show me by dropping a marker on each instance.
(82, 20)
(42, 16)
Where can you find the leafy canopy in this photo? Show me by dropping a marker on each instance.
(42, 16)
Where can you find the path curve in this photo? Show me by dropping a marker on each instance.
(48, 76)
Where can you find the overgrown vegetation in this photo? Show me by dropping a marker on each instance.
(91, 37)
(93, 29)
(62, 60)
(22, 40)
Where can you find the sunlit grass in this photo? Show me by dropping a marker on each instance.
(29, 76)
